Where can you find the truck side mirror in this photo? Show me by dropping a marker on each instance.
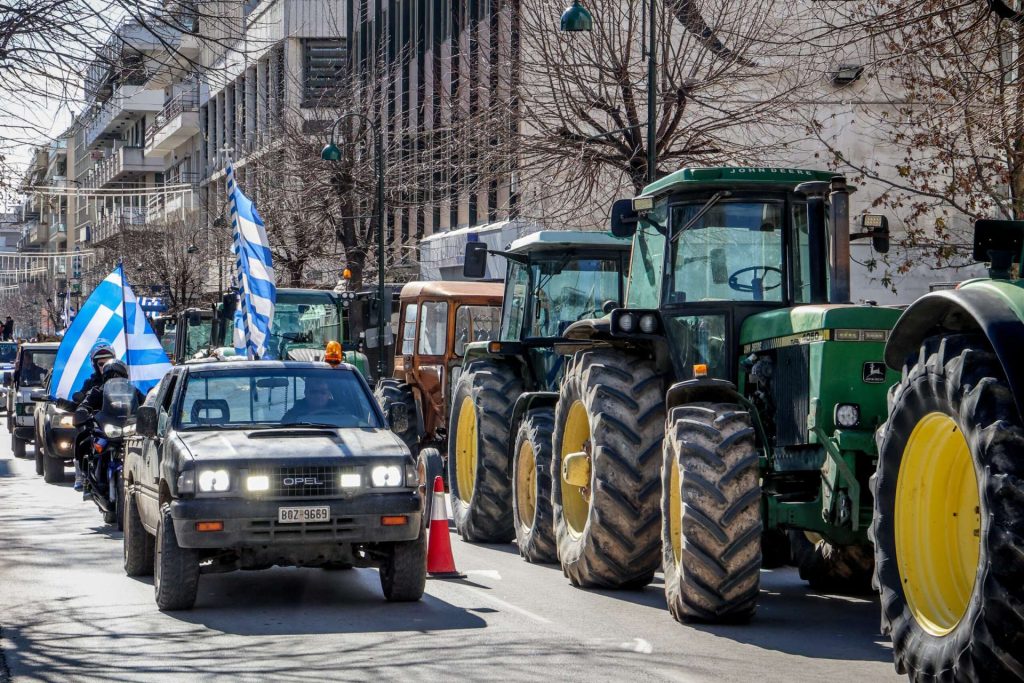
(623, 218)
(475, 263)
(146, 421)
(719, 268)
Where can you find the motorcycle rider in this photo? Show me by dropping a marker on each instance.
(101, 355)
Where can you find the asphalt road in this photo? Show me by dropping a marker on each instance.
(68, 612)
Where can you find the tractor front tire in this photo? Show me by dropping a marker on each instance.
(711, 507)
(478, 440)
(949, 516)
(610, 414)
(391, 392)
(531, 487)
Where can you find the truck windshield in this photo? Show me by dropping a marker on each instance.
(731, 253)
(275, 397)
(568, 289)
(34, 366)
(8, 352)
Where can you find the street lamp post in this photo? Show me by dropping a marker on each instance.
(576, 18)
(331, 152)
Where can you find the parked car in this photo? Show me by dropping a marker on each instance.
(55, 434)
(31, 364)
(251, 464)
(8, 352)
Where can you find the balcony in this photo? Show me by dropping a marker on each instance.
(38, 235)
(125, 164)
(112, 223)
(126, 101)
(58, 233)
(175, 124)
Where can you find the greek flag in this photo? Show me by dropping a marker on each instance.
(256, 289)
(111, 316)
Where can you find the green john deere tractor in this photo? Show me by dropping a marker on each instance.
(949, 489)
(732, 399)
(503, 403)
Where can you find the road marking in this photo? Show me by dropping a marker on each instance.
(486, 573)
(638, 645)
(508, 605)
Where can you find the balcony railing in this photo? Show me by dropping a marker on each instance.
(123, 160)
(180, 103)
(126, 100)
(111, 223)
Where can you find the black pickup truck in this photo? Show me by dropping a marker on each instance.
(251, 464)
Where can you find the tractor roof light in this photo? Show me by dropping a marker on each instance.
(627, 322)
(648, 323)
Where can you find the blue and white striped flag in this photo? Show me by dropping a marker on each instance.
(257, 291)
(111, 316)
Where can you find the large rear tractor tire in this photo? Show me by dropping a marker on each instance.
(391, 392)
(531, 487)
(829, 568)
(478, 451)
(711, 507)
(949, 516)
(609, 425)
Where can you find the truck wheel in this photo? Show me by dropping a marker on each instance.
(949, 516)
(610, 418)
(18, 446)
(477, 451)
(175, 569)
(40, 460)
(119, 501)
(711, 507)
(832, 568)
(429, 466)
(138, 544)
(403, 576)
(531, 487)
(391, 392)
(53, 470)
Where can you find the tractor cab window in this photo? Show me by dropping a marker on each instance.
(802, 253)
(516, 287)
(731, 253)
(648, 264)
(433, 328)
(475, 323)
(409, 329)
(567, 288)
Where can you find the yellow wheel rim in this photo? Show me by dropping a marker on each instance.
(526, 485)
(675, 511)
(575, 438)
(466, 450)
(938, 523)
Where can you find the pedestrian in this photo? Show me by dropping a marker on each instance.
(8, 329)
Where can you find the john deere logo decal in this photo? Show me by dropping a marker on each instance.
(874, 372)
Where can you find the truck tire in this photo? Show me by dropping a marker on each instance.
(832, 568)
(478, 451)
(175, 569)
(391, 392)
(531, 487)
(18, 446)
(403, 576)
(429, 466)
(611, 406)
(53, 470)
(711, 509)
(949, 516)
(40, 460)
(138, 544)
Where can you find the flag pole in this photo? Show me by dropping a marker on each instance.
(124, 317)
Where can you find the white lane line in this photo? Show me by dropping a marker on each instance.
(485, 573)
(507, 605)
(638, 645)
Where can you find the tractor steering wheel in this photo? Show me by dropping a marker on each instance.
(756, 284)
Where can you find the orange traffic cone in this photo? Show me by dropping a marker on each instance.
(440, 562)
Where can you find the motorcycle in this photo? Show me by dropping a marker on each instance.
(100, 448)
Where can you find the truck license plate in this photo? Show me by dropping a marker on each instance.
(305, 514)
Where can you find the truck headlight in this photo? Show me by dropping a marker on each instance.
(112, 431)
(386, 475)
(66, 420)
(847, 415)
(213, 480)
(350, 480)
(187, 482)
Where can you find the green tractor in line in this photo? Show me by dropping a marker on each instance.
(733, 398)
(503, 402)
(949, 488)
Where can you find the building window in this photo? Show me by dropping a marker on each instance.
(324, 66)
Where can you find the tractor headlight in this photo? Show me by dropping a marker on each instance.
(112, 431)
(847, 415)
(213, 480)
(648, 323)
(627, 322)
(66, 420)
(386, 475)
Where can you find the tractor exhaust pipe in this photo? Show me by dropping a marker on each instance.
(839, 253)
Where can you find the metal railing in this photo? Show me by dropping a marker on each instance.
(187, 101)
